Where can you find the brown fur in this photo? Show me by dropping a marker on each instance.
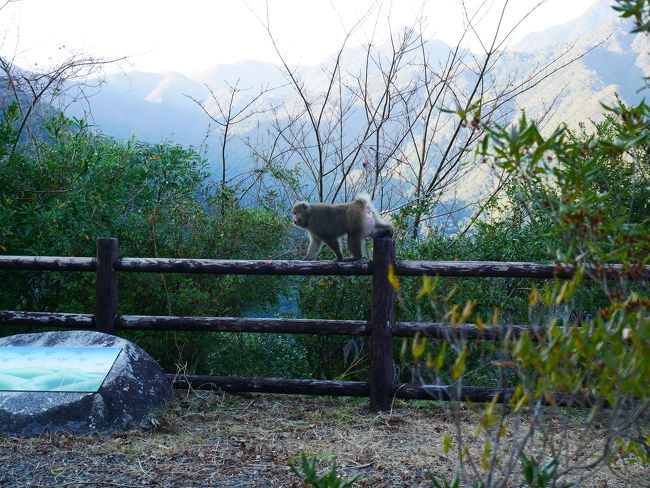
(327, 223)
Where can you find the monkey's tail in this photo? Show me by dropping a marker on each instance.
(367, 202)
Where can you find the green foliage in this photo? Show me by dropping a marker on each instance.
(540, 477)
(335, 357)
(60, 194)
(591, 190)
(307, 472)
(583, 199)
(639, 9)
(259, 355)
(605, 358)
(534, 476)
(455, 483)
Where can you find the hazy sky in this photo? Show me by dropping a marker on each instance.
(162, 35)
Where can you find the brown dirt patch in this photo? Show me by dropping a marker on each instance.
(209, 439)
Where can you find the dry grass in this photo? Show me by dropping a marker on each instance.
(208, 439)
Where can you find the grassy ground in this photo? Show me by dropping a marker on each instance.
(209, 439)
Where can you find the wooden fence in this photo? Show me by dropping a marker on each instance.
(381, 327)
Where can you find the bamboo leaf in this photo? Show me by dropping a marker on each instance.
(392, 277)
(459, 365)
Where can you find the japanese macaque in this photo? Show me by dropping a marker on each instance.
(329, 222)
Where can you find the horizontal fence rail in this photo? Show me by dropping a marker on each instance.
(495, 269)
(381, 328)
(446, 330)
(411, 391)
(243, 267)
(466, 269)
(48, 319)
(236, 324)
(272, 385)
(408, 391)
(438, 330)
(48, 263)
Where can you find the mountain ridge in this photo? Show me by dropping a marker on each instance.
(156, 105)
(598, 13)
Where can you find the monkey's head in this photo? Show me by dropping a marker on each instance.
(301, 211)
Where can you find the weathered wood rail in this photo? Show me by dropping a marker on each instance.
(381, 328)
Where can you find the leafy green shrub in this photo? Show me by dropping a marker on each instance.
(307, 473)
(534, 476)
(61, 193)
(590, 194)
(337, 298)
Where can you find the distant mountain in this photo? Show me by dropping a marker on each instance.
(599, 13)
(157, 106)
(245, 73)
(154, 106)
(614, 64)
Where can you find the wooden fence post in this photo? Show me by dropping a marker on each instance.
(106, 285)
(381, 339)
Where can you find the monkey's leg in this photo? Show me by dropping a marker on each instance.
(336, 247)
(355, 244)
(314, 247)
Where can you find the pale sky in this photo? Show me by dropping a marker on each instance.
(193, 35)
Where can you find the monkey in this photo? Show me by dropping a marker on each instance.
(329, 222)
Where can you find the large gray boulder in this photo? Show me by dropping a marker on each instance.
(134, 391)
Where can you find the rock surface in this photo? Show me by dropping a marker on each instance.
(134, 391)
